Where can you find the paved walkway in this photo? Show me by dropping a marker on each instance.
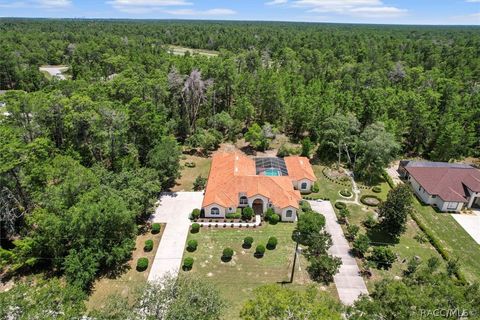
(174, 210)
(393, 173)
(349, 283)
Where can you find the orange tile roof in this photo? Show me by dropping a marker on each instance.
(235, 173)
(299, 168)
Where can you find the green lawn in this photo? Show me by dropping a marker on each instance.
(237, 279)
(406, 247)
(454, 238)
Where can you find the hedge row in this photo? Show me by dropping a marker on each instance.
(389, 180)
(435, 241)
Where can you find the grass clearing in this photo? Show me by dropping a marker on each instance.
(128, 282)
(181, 51)
(238, 278)
(188, 175)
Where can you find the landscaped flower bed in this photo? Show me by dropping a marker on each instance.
(345, 193)
(370, 200)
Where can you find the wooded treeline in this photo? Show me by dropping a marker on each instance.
(108, 139)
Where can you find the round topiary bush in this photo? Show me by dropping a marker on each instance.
(345, 193)
(272, 243)
(142, 264)
(195, 214)
(192, 245)
(340, 205)
(196, 227)
(188, 263)
(377, 189)
(260, 251)
(148, 246)
(227, 254)
(247, 242)
(274, 218)
(370, 200)
(155, 228)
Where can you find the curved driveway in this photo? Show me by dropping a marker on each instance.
(174, 210)
(349, 283)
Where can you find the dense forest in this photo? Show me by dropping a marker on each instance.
(109, 139)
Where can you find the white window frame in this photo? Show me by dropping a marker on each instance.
(304, 186)
(215, 211)
(289, 213)
(245, 200)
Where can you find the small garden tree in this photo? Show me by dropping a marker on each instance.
(309, 224)
(199, 183)
(148, 245)
(395, 210)
(192, 245)
(142, 264)
(352, 231)
(196, 214)
(383, 257)
(195, 228)
(260, 250)
(323, 267)
(188, 263)
(257, 138)
(361, 245)
(156, 228)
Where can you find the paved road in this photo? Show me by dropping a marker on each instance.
(469, 222)
(349, 283)
(174, 210)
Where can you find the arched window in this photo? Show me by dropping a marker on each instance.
(289, 213)
(215, 211)
(303, 186)
(243, 200)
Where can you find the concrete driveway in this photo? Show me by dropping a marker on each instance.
(349, 283)
(174, 210)
(469, 222)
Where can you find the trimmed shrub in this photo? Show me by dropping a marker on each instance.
(315, 187)
(148, 246)
(142, 264)
(272, 243)
(345, 193)
(260, 250)
(340, 205)
(227, 254)
(269, 214)
(383, 257)
(305, 205)
(274, 219)
(192, 245)
(195, 227)
(188, 263)
(190, 164)
(195, 214)
(156, 228)
(247, 242)
(247, 213)
(377, 189)
(233, 215)
(344, 215)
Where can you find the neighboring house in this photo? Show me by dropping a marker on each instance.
(447, 186)
(237, 181)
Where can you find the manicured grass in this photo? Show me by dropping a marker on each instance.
(188, 175)
(453, 237)
(130, 280)
(237, 279)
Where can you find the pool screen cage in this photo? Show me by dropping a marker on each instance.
(264, 164)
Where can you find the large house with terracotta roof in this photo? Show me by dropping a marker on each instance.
(237, 181)
(446, 186)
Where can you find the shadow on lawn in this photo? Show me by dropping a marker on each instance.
(379, 237)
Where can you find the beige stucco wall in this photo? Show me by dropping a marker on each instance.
(283, 214)
(208, 209)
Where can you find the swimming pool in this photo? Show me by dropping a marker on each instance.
(271, 172)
